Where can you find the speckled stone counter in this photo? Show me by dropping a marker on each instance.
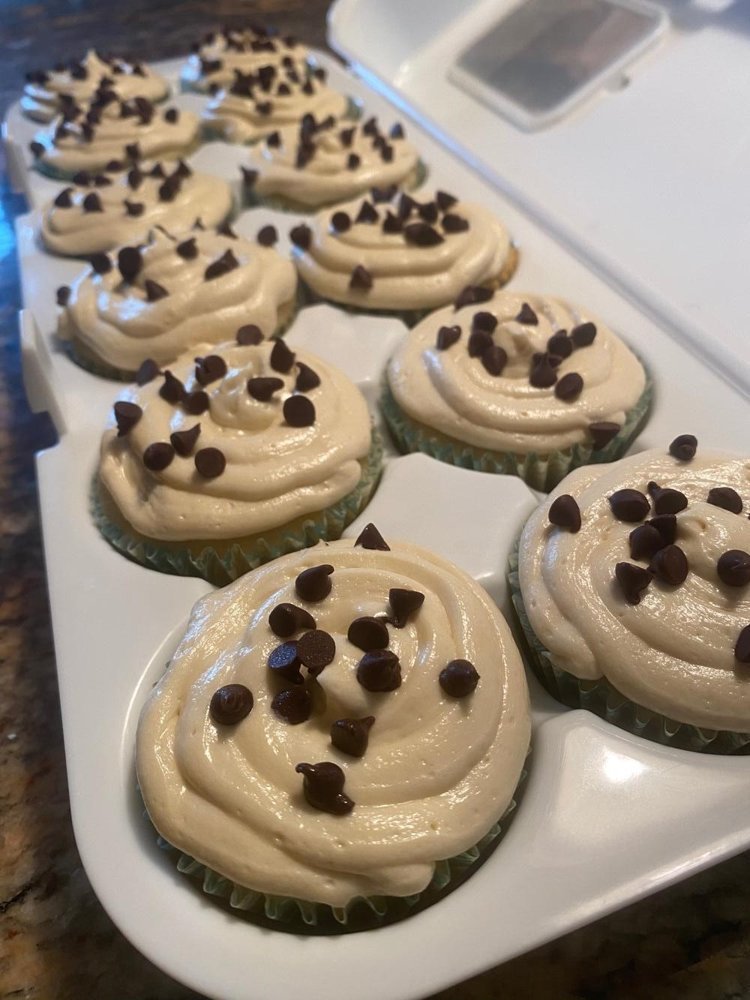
(691, 942)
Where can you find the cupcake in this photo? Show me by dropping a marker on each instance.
(216, 58)
(160, 300)
(258, 104)
(633, 589)
(50, 93)
(344, 739)
(99, 212)
(392, 254)
(327, 162)
(111, 131)
(235, 454)
(515, 383)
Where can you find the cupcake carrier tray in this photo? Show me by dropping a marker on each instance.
(606, 817)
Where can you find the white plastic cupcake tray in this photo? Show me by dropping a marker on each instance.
(606, 817)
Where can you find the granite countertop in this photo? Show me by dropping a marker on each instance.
(691, 941)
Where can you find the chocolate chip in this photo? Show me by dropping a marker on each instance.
(340, 222)
(527, 316)
(263, 389)
(667, 500)
(210, 369)
(645, 541)
(223, 265)
(147, 372)
(188, 249)
(63, 200)
(733, 568)
(560, 345)
(742, 647)
(454, 223)
(370, 538)
(569, 387)
(114, 166)
(392, 224)
(282, 358)
(158, 456)
(726, 498)
(267, 236)
(284, 661)
(155, 291)
(428, 212)
(129, 263)
(195, 403)
(368, 633)
(210, 462)
(353, 161)
(132, 151)
(602, 432)
(323, 786)
(230, 704)
(37, 149)
(404, 603)
(273, 141)
(183, 442)
(483, 320)
(249, 335)
(380, 195)
(684, 447)
(670, 565)
(82, 178)
(249, 177)
(351, 736)
(182, 170)
(314, 584)
(225, 229)
(494, 359)
(633, 580)
(543, 374)
(583, 335)
(565, 513)
(360, 279)
(299, 411)
(286, 619)
(629, 505)
(367, 214)
(171, 115)
(134, 208)
(169, 189)
(459, 678)
(472, 295)
(307, 379)
(479, 342)
(63, 295)
(172, 390)
(92, 203)
(445, 201)
(293, 705)
(422, 235)
(316, 649)
(264, 108)
(447, 336)
(666, 525)
(135, 178)
(379, 670)
(127, 416)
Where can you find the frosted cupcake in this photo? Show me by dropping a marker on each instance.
(327, 162)
(220, 54)
(257, 104)
(235, 454)
(160, 300)
(391, 253)
(515, 383)
(111, 132)
(633, 589)
(99, 212)
(59, 91)
(345, 739)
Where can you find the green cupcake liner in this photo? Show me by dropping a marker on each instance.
(541, 472)
(221, 564)
(603, 699)
(211, 132)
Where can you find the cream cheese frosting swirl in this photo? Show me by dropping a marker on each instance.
(103, 211)
(110, 131)
(50, 93)
(258, 104)
(322, 163)
(221, 54)
(437, 773)
(483, 374)
(159, 300)
(676, 650)
(392, 252)
(289, 448)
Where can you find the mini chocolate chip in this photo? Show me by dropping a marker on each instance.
(147, 372)
(684, 447)
(494, 359)
(569, 387)
(422, 235)
(132, 151)
(169, 188)
(666, 525)
(82, 178)
(63, 295)
(368, 633)
(63, 200)
(249, 177)
(195, 403)
(733, 568)
(273, 141)
(183, 442)
(742, 647)
(360, 279)
(428, 212)
(286, 619)
(483, 320)
(264, 108)
(379, 670)
(340, 222)
(210, 462)
(367, 213)
(230, 704)
(129, 263)
(127, 416)
(171, 115)
(645, 541)
(182, 170)
(188, 249)
(301, 236)
(223, 265)
(92, 203)
(353, 161)
(155, 291)
(249, 335)
(314, 584)
(564, 512)
(323, 788)
(633, 580)
(459, 678)
(583, 335)
(210, 369)
(134, 208)
(392, 224)
(225, 229)
(293, 705)
(445, 201)
(667, 500)
(370, 538)
(479, 342)
(447, 336)
(527, 316)
(267, 236)
(351, 736)
(726, 498)
(158, 456)
(299, 411)
(282, 358)
(602, 432)
(629, 505)
(543, 374)
(454, 223)
(670, 565)
(307, 379)
(284, 661)
(36, 149)
(172, 390)
(404, 603)
(114, 166)
(316, 649)
(263, 389)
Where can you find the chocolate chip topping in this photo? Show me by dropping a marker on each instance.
(267, 236)
(370, 538)
(494, 359)
(301, 236)
(63, 200)
(92, 203)
(684, 447)
(183, 442)
(447, 336)
(210, 462)
(284, 661)
(392, 224)
(564, 512)
(36, 149)
(210, 369)
(560, 345)
(666, 525)
(479, 342)
(316, 649)
(226, 263)
(629, 505)
(422, 235)
(351, 736)
(225, 229)
(633, 580)
(645, 541)
(733, 568)
(353, 161)
(282, 358)
(454, 223)
(583, 335)
(726, 498)
(158, 456)
(428, 212)
(299, 411)
(249, 177)
(62, 296)
(230, 704)
(670, 565)
(543, 374)
(147, 372)
(286, 619)
(445, 200)
(100, 263)
(667, 500)
(367, 214)
(155, 291)
(249, 335)
(459, 678)
(527, 316)
(129, 263)
(171, 115)
(404, 603)
(742, 647)
(293, 705)
(360, 278)
(323, 788)
(379, 670)
(172, 390)
(340, 222)
(127, 416)
(367, 633)
(195, 403)
(602, 432)
(314, 584)
(569, 387)
(263, 389)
